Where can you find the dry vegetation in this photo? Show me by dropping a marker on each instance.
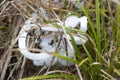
(13, 13)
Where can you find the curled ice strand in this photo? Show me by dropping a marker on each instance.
(83, 23)
(79, 39)
(74, 21)
(39, 58)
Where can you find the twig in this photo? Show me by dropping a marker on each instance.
(79, 73)
(6, 62)
(56, 71)
(13, 69)
(112, 78)
(22, 68)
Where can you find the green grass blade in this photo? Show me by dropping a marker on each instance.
(88, 54)
(2, 27)
(66, 58)
(117, 71)
(89, 20)
(83, 61)
(64, 76)
(78, 56)
(98, 42)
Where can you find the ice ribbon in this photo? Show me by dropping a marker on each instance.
(73, 21)
(44, 58)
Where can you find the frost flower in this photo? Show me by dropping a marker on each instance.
(48, 45)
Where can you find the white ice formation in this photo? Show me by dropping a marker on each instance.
(48, 46)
